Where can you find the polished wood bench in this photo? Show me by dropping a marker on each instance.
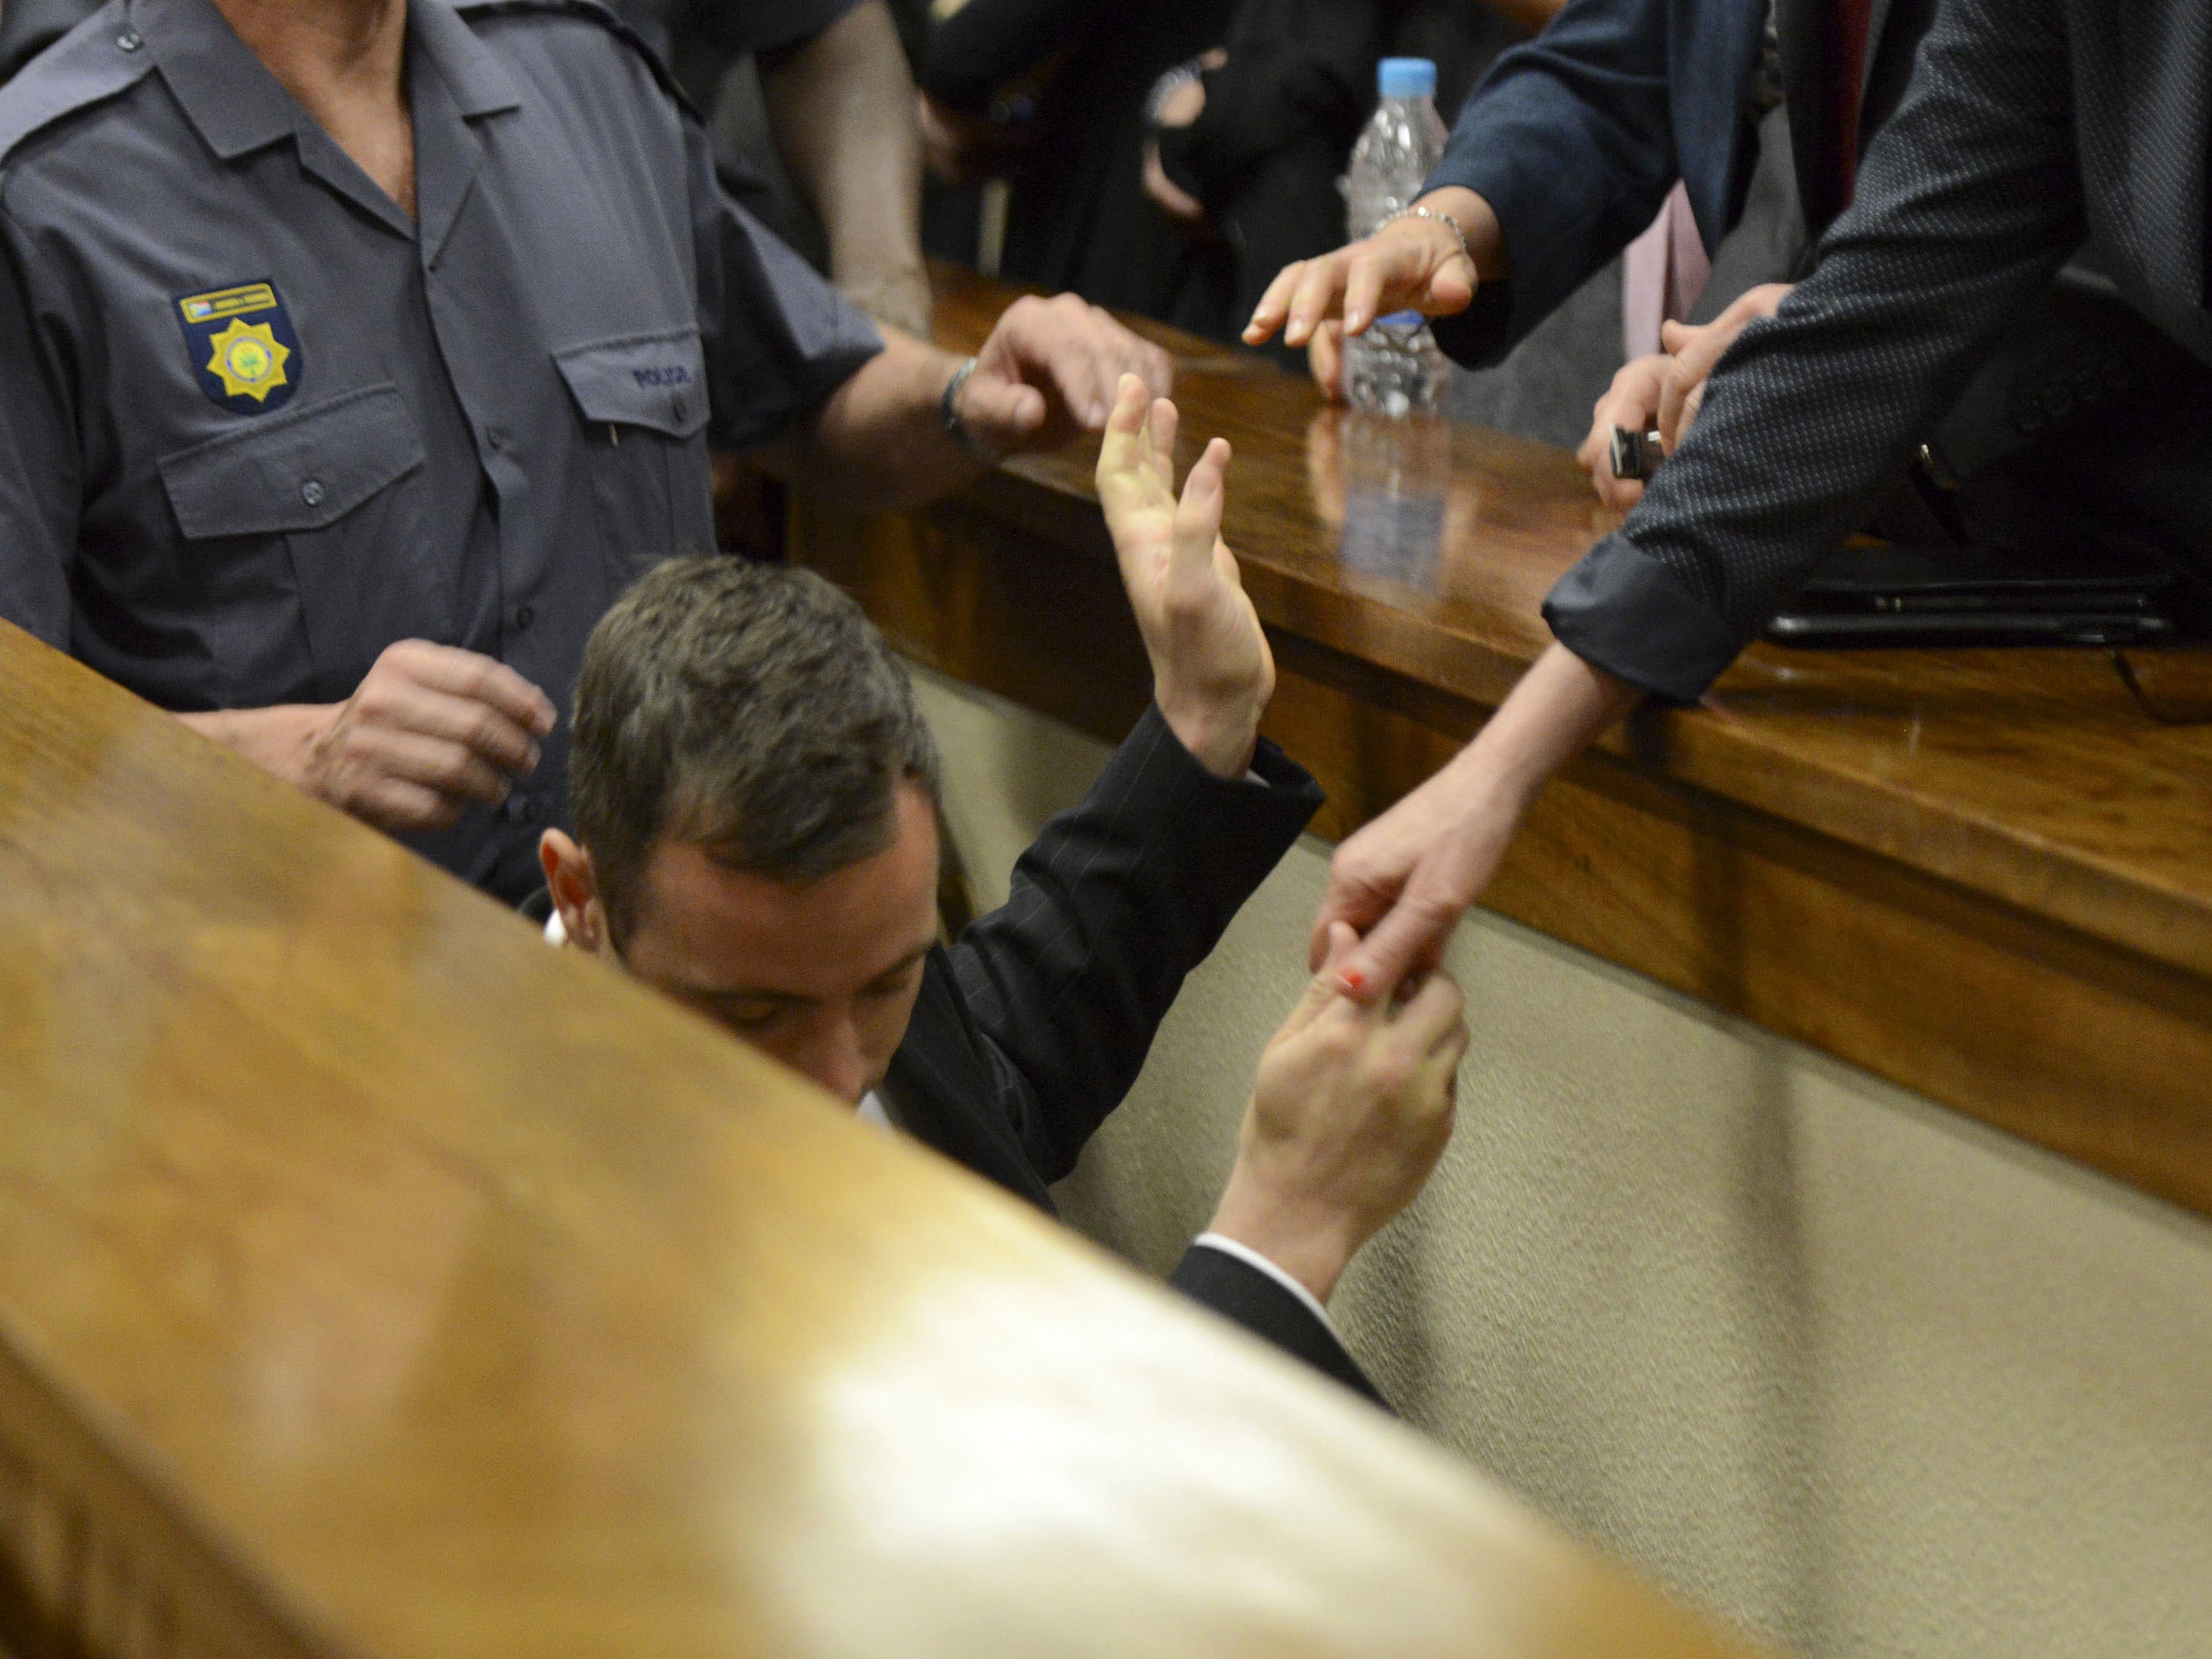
(1984, 875)
(377, 1282)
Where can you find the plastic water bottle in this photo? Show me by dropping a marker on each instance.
(1394, 368)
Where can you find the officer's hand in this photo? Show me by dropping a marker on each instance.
(1410, 265)
(1048, 372)
(1353, 1109)
(1212, 671)
(430, 730)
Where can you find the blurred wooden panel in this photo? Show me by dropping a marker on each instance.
(377, 1281)
(1984, 875)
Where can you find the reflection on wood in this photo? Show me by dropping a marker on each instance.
(1985, 875)
(375, 1280)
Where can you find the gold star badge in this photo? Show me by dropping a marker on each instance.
(249, 360)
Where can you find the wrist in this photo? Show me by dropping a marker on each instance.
(1222, 739)
(282, 741)
(1478, 226)
(1310, 1244)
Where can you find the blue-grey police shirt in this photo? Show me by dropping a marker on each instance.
(256, 424)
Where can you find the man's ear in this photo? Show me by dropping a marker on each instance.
(576, 890)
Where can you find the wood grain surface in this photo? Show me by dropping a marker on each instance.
(1985, 875)
(376, 1281)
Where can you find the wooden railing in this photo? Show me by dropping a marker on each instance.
(377, 1281)
(1984, 875)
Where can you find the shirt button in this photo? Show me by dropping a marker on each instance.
(130, 40)
(312, 492)
(495, 436)
(520, 809)
(524, 616)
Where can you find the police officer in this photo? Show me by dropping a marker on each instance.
(354, 355)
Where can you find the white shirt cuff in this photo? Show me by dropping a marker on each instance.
(1252, 1258)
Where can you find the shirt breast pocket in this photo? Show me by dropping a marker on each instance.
(642, 398)
(292, 527)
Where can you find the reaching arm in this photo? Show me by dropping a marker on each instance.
(842, 107)
(1558, 159)
(1968, 199)
(1047, 372)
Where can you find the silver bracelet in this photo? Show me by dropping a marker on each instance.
(948, 410)
(1435, 217)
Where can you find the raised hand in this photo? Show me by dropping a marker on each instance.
(1212, 672)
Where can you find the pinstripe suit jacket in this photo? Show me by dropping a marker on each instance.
(2028, 125)
(1030, 1029)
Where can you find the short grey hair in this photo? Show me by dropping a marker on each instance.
(749, 708)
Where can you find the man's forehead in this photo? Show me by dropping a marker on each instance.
(707, 924)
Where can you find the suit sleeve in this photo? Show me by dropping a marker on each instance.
(1570, 138)
(1116, 902)
(41, 465)
(1968, 200)
(1243, 1294)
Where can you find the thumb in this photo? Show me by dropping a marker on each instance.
(1673, 336)
(1000, 413)
(1410, 938)
(1322, 988)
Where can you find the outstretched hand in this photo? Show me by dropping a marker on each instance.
(1410, 265)
(1353, 1107)
(1048, 372)
(1212, 672)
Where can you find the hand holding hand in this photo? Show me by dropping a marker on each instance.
(1353, 1109)
(1404, 879)
(430, 730)
(1212, 672)
(1048, 371)
(1410, 265)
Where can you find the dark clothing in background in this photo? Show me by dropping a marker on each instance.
(490, 420)
(1264, 156)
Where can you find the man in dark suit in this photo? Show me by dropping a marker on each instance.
(754, 796)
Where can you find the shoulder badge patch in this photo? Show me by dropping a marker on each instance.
(242, 347)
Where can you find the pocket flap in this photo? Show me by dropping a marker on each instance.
(653, 380)
(301, 469)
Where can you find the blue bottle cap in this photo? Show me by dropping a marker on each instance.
(1405, 77)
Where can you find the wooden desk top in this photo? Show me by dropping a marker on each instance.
(1427, 550)
(376, 1281)
(1986, 875)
